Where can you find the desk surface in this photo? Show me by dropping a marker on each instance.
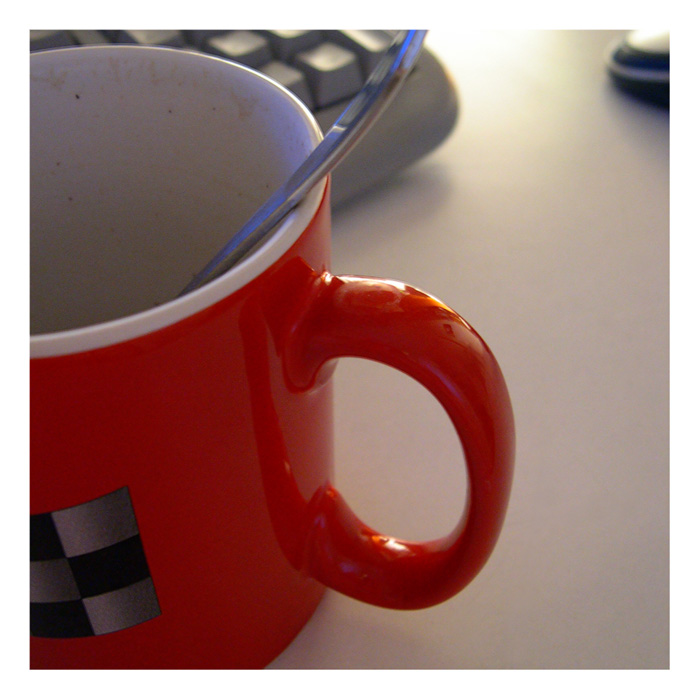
(544, 221)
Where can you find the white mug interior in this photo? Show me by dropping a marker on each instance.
(144, 162)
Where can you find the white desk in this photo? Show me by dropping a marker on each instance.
(543, 220)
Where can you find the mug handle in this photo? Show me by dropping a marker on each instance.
(403, 327)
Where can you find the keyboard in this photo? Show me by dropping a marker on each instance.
(325, 69)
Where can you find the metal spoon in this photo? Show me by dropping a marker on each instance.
(351, 125)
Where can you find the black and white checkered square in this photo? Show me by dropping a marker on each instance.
(88, 570)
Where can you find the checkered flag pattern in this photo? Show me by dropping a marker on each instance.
(88, 570)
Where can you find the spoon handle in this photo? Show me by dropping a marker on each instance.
(351, 125)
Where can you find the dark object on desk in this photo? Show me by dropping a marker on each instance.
(325, 69)
(641, 65)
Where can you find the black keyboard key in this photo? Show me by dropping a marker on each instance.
(89, 37)
(292, 78)
(49, 39)
(333, 73)
(287, 43)
(241, 46)
(369, 45)
(151, 37)
(198, 37)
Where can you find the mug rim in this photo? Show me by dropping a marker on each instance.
(122, 329)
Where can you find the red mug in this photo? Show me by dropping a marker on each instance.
(183, 513)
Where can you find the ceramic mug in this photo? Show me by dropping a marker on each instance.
(183, 513)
